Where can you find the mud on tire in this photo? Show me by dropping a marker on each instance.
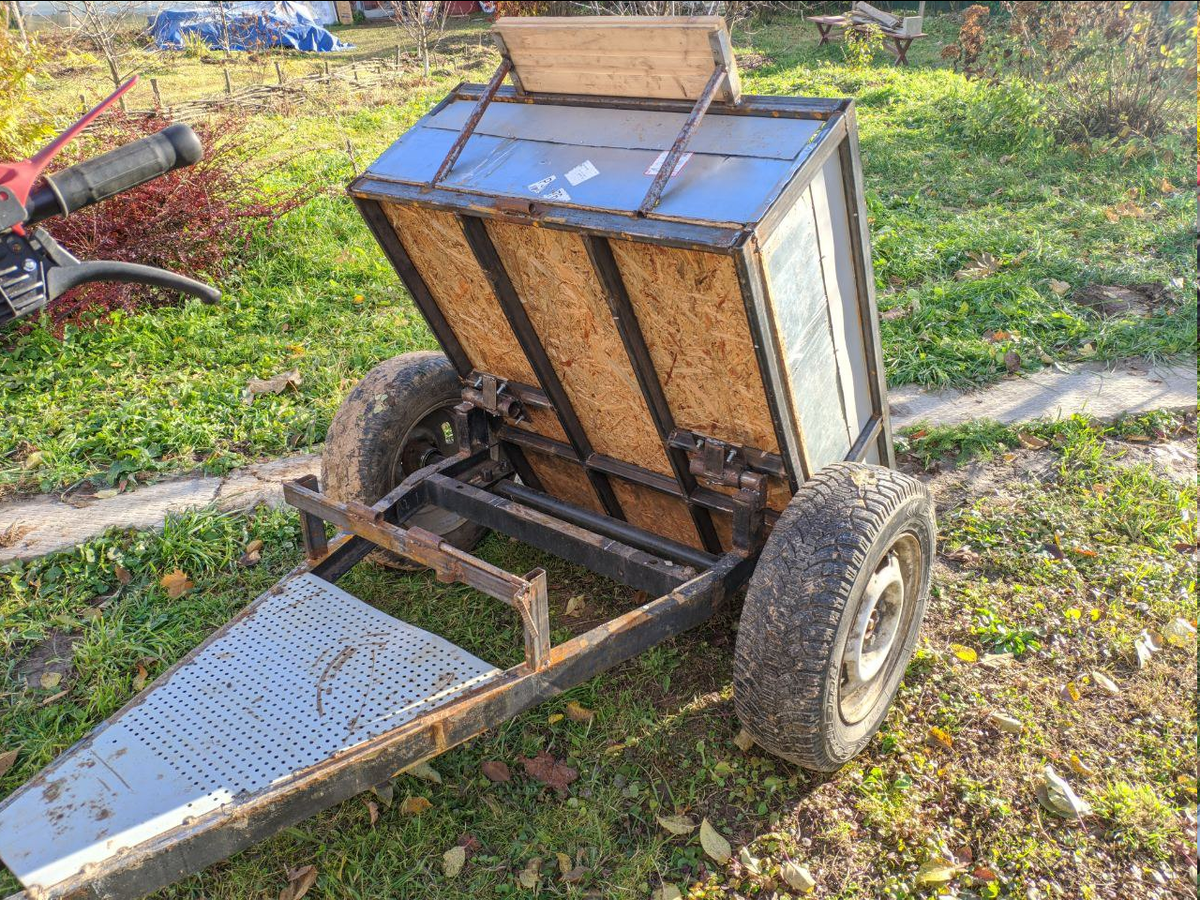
(395, 421)
(846, 566)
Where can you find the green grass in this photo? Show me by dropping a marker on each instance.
(662, 737)
(953, 167)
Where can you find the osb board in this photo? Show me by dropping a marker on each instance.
(438, 248)
(564, 480)
(619, 56)
(554, 278)
(544, 422)
(656, 512)
(691, 311)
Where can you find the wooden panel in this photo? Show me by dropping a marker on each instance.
(544, 422)
(435, 242)
(690, 307)
(564, 480)
(619, 56)
(656, 512)
(553, 276)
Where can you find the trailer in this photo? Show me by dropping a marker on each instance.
(660, 361)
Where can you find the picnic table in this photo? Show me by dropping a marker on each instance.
(897, 42)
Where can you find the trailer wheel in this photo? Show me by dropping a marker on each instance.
(397, 420)
(832, 613)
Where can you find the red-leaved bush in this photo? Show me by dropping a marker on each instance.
(194, 220)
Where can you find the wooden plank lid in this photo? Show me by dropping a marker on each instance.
(663, 57)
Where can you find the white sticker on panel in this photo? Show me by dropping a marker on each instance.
(559, 194)
(582, 173)
(538, 186)
(653, 168)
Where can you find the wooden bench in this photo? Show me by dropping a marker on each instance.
(896, 42)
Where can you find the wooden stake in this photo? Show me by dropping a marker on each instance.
(228, 83)
(279, 72)
(397, 56)
(158, 104)
(326, 68)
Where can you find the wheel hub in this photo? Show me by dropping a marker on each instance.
(877, 633)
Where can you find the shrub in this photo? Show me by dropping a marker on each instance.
(860, 45)
(194, 221)
(1111, 68)
(24, 123)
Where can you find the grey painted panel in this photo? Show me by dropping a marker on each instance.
(707, 188)
(837, 264)
(310, 672)
(632, 129)
(797, 296)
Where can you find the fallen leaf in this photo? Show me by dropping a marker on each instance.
(546, 769)
(1144, 645)
(139, 680)
(1124, 209)
(424, 771)
(937, 871)
(1088, 349)
(1057, 796)
(1006, 723)
(743, 741)
(554, 718)
(714, 845)
(274, 385)
(676, 824)
(996, 337)
(494, 770)
(574, 606)
(1106, 684)
(1166, 187)
(33, 460)
(453, 861)
(966, 654)
(50, 680)
(385, 792)
(980, 266)
(1079, 767)
(529, 875)
(575, 875)
(373, 811)
(1179, 632)
(1070, 692)
(749, 861)
(896, 312)
(1012, 362)
(253, 554)
(1032, 441)
(414, 806)
(997, 660)
(122, 573)
(6, 760)
(106, 494)
(666, 892)
(299, 882)
(798, 878)
(564, 863)
(1059, 287)
(984, 873)
(176, 583)
(941, 737)
(578, 713)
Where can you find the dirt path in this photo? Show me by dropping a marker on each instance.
(32, 528)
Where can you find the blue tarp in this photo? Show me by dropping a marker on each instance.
(251, 26)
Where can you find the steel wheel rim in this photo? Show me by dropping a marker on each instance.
(879, 629)
(430, 439)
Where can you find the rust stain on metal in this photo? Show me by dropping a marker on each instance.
(331, 670)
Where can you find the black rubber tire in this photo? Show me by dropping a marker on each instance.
(359, 459)
(801, 604)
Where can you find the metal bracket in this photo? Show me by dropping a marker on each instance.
(719, 463)
(690, 125)
(493, 396)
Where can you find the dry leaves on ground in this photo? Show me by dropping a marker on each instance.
(276, 384)
(548, 770)
(300, 881)
(176, 583)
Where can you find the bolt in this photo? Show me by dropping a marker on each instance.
(29, 265)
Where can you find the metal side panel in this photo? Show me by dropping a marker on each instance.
(304, 674)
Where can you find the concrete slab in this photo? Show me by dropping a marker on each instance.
(1100, 390)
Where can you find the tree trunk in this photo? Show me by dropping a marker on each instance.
(15, 6)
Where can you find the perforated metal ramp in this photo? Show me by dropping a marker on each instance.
(307, 672)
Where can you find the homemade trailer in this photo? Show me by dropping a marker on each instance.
(660, 361)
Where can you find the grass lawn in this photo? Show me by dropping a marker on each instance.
(1053, 562)
(953, 168)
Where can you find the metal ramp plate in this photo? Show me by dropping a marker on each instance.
(307, 672)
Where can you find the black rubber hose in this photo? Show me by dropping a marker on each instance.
(117, 170)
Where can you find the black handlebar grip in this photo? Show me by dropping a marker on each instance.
(117, 170)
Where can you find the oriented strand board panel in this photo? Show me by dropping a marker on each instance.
(656, 512)
(691, 311)
(438, 248)
(553, 276)
(669, 57)
(564, 480)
